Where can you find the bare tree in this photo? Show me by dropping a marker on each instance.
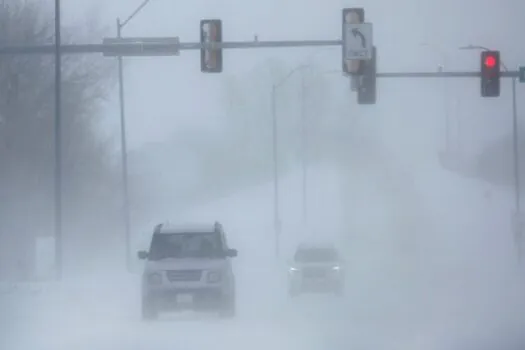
(27, 136)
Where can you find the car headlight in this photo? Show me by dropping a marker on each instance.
(336, 268)
(293, 269)
(155, 279)
(214, 277)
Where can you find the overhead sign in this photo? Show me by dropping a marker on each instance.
(138, 47)
(358, 41)
(522, 74)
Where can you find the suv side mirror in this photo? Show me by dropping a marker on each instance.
(231, 253)
(143, 255)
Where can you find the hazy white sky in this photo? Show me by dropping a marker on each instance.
(163, 94)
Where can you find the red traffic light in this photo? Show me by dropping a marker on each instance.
(490, 73)
(490, 61)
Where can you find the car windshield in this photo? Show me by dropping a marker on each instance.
(316, 255)
(185, 245)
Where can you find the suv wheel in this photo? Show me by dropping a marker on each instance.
(228, 308)
(149, 311)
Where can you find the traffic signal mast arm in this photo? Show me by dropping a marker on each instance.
(125, 46)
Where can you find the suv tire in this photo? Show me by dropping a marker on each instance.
(149, 311)
(228, 308)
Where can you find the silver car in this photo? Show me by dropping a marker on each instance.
(188, 267)
(316, 269)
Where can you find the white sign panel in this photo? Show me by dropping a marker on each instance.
(358, 41)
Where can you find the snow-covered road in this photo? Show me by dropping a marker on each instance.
(457, 285)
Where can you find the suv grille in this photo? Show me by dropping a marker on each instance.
(184, 275)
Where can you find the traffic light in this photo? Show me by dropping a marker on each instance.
(211, 32)
(490, 74)
(366, 92)
(351, 16)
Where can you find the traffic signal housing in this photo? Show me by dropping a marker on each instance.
(351, 16)
(211, 33)
(490, 73)
(367, 90)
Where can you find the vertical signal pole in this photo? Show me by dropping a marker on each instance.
(58, 147)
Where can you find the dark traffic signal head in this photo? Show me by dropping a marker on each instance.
(367, 90)
(490, 74)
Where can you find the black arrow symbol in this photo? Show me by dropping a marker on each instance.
(357, 33)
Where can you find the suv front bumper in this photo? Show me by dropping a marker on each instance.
(204, 298)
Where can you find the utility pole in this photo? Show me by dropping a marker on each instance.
(58, 147)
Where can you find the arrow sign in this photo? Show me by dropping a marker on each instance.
(358, 41)
(357, 33)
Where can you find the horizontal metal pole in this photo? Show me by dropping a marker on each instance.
(166, 40)
(512, 74)
(48, 49)
(157, 45)
(261, 44)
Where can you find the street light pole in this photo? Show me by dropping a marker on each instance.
(124, 155)
(304, 141)
(123, 140)
(276, 209)
(276, 218)
(304, 151)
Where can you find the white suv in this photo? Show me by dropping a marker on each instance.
(188, 267)
(316, 268)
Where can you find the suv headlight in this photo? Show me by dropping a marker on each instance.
(155, 279)
(214, 277)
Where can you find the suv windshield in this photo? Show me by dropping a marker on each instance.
(316, 255)
(185, 245)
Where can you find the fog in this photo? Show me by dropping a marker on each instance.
(430, 248)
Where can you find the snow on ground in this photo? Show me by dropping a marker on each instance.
(433, 287)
